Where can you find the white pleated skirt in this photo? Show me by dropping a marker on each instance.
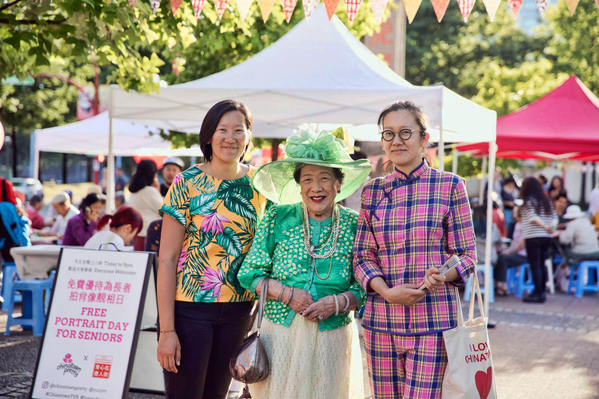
(306, 363)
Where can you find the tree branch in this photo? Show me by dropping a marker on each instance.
(34, 21)
(4, 7)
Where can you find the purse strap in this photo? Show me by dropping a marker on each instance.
(262, 301)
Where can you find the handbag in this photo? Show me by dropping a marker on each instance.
(249, 363)
(469, 373)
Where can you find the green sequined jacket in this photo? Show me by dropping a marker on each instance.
(278, 252)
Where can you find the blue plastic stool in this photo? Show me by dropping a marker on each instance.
(512, 280)
(468, 290)
(524, 284)
(34, 314)
(8, 269)
(582, 271)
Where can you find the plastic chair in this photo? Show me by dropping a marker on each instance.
(584, 282)
(524, 283)
(468, 290)
(8, 269)
(33, 313)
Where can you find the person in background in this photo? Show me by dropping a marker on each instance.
(513, 256)
(538, 220)
(82, 226)
(119, 200)
(7, 193)
(153, 237)
(543, 180)
(508, 195)
(556, 187)
(35, 205)
(61, 204)
(479, 221)
(145, 197)
(14, 228)
(123, 227)
(172, 166)
(580, 235)
(94, 189)
(560, 203)
(120, 182)
(498, 218)
(594, 205)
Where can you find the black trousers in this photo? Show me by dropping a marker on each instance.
(537, 250)
(504, 262)
(209, 334)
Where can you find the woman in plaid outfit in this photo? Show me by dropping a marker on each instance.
(410, 223)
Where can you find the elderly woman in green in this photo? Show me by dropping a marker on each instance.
(304, 247)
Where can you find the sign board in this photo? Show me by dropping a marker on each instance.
(93, 324)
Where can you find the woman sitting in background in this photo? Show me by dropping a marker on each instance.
(580, 234)
(124, 226)
(81, 227)
(514, 256)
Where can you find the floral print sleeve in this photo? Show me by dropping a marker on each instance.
(176, 202)
(258, 263)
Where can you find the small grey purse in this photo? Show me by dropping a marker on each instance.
(249, 363)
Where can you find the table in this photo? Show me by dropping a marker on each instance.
(43, 240)
(34, 261)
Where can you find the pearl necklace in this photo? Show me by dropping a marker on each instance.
(311, 249)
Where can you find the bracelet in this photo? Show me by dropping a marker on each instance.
(290, 296)
(169, 331)
(347, 302)
(336, 305)
(281, 292)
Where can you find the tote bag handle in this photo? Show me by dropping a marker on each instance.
(476, 292)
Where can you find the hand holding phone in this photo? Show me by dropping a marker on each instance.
(447, 266)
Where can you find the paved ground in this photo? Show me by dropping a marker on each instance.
(539, 351)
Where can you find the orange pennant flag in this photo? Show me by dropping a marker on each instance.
(265, 8)
(175, 5)
(572, 4)
(466, 8)
(221, 6)
(378, 9)
(288, 7)
(411, 7)
(198, 6)
(352, 7)
(440, 6)
(492, 6)
(515, 6)
(243, 6)
(542, 7)
(331, 6)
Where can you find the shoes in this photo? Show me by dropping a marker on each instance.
(501, 291)
(535, 298)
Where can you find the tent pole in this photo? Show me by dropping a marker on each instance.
(110, 160)
(488, 241)
(36, 158)
(454, 165)
(481, 187)
(441, 150)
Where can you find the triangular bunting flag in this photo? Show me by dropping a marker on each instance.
(265, 8)
(378, 9)
(155, 4)
(310, 6)
(175, 5)
(440, 6)
(597, 2)
(243, 6)
(132, 3)
(515, 6)
(412, 7)
(542, 7)
(331, 6)
(492, 6)
(288, 7)
(352, 7)
(198, 6)
(221, 6)
(466, 8)
(572, 5)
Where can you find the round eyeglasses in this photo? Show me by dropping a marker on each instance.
(404, 134)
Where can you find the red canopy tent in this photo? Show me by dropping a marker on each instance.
(562, 125)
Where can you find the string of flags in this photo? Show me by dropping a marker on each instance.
(352, 6)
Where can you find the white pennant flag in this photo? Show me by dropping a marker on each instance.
(155, 4)
(244, 8)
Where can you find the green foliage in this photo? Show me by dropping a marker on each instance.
(469, 166)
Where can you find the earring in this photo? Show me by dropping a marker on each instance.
(338, 191)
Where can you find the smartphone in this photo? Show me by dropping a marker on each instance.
(447, 266)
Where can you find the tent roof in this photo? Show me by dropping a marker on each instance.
(90, 137)
(562, 125)
(317, 73)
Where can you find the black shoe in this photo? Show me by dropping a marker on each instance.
(534, 298)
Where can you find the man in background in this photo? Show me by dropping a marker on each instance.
(172, 166)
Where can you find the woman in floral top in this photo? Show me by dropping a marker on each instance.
(411, 222)
(210, 217)
(304, 248)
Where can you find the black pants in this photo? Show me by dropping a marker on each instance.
(537, 250)
(504, 262)
(209, 334)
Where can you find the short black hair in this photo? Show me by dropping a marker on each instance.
(339, 175)
(90, 200)
(36, 199)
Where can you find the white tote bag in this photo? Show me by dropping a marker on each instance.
(469, 373)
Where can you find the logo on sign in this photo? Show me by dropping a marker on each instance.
(68, 366)
(102, 366)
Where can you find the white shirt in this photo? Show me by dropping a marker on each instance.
(146, 201)
(60, 225)
(594, 201)
(106, 240)
(581, 234)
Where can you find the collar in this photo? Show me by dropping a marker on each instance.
(419, 171)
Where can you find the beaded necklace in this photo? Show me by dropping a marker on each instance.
(312, 250)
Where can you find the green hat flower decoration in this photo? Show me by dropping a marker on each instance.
(275, 180)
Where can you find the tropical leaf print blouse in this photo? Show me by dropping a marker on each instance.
(220, 219)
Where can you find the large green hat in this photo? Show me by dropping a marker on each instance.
(275, 180)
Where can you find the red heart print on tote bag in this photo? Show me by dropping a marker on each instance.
(484, 382)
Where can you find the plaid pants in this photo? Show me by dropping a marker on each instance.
(405, 366)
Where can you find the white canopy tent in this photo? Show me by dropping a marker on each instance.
(317, 73)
